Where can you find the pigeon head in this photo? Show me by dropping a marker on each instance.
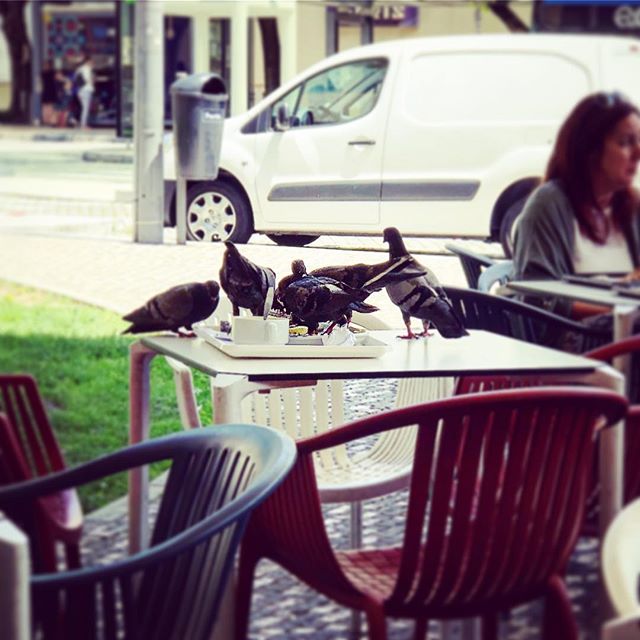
(213, 289)
(298, 268)
(396, 243)
(233, 259)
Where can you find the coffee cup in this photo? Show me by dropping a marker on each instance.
(256, 330)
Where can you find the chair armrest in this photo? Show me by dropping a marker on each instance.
(609, 351)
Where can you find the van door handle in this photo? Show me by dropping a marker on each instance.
(362, 141)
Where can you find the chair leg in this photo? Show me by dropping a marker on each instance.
(72, 552)
(420, 629)
(244, 588)
(377, 622)
(355, 539)
(490, 626)
(558, 622)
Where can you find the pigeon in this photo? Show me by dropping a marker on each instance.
(175, 308)
(373, 277)
(314, 299)
(421, 297)
(247, 285)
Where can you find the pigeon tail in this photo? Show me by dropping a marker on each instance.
(363, 307)
(450, 330)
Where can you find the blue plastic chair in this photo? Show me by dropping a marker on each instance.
(473, 264)
(218, 475)
(498, 273)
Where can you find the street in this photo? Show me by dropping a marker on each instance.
(64, 185)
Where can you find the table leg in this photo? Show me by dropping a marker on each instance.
(139, 393)
(623, 319)
(611, 461)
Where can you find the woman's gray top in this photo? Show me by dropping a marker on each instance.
(545, 237)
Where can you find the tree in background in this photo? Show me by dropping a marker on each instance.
(15, 30)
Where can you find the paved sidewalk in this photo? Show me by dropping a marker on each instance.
(120, 275)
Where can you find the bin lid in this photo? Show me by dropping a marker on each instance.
(201, 83)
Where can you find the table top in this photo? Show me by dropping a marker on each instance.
(480, 352)
(573, 291)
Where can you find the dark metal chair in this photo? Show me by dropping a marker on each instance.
(218, 475)
(480, 310)
(472, 263)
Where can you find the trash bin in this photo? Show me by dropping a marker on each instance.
(199, 104)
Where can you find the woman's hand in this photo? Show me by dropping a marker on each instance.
(634, 275)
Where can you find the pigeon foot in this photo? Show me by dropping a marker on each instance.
(409, 336)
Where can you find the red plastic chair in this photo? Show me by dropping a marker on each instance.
(30, 450)
(606, 353)
(496, 499)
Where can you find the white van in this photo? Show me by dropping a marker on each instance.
(438, 136)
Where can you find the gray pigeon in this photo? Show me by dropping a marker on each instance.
(175, 308)
(422, 297)
(247, 285)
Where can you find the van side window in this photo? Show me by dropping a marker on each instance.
(471, 87)
(339, 94)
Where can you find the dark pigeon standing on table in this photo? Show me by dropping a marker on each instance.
(314, 299)
(247, 285)
(175, 308)
(421, 297)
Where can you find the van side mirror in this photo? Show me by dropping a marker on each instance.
(282, 119)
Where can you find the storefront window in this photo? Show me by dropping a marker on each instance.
(219, 49)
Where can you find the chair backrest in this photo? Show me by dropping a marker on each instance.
(20, 399)
(499, 273)
(480, 310)
(499, 479)
(218, 476)
(621, 560)
(472, 263)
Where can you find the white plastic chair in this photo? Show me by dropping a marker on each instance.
(183, 380)
(15, 598)
(342, 475)
(621, 561)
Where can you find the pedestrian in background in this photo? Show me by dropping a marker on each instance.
(84, 87)
(48, 93)
(63, 117)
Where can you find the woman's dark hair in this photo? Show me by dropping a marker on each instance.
(579, 144)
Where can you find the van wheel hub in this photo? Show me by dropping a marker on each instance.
(211, 217)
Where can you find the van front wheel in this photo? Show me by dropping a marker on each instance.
(218, 211)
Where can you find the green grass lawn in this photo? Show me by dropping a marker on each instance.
(81, 361)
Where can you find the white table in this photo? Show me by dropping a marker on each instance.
(479, 353)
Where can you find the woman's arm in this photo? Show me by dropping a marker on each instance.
(580, 310)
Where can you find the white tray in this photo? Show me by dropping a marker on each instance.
(367, 347)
